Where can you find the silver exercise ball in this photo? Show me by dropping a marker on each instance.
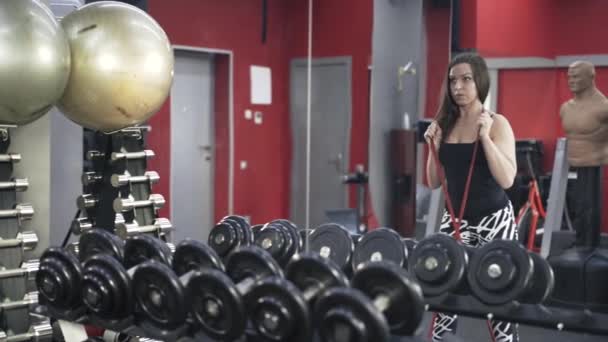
(122, 66)
(34, 61)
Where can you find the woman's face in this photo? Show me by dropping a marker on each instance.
(462, 85)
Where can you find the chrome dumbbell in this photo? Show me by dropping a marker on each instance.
(91, 178)
(122, 205)
(16, 184)
(39, 332)
(160, 227)
(21, 211)
(27, 270)
(30, 300)
(151, 177)
(10, 158)
(80, 225)
(86, 201)
(25, 240)
(145, 154)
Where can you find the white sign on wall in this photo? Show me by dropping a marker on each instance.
(261, 85)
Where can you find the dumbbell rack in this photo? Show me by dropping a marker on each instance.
(118, 155)
(559, 318)
(16, 287)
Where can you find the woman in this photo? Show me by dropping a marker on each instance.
(460, 122)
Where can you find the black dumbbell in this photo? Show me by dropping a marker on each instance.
(228, 234)
(502, 271)
(106, 291)
(280, 238)
(218, 305)
(383, 299)
(58, 281)
(279, 310)
(191, 255)
(100, 241)
(439, 264)
(381, 244)
(334, 242)
(144, 247)
(109, 274)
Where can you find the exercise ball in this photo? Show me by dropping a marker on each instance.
(122, 66)
(34, 61)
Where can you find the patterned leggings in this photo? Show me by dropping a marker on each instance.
(476, 233)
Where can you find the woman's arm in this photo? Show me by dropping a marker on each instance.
(499, 148)
(431, 172)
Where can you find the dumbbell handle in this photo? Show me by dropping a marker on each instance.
(126, 204)
(382, 302)
(145, 154)
(160, 226)
(90, 178)
(245, 285)
(27, 240)
(29, 299)
(37, 333)
(27, 269)
(10, 158)
(151, 177)
(17, 184)
(21, 211)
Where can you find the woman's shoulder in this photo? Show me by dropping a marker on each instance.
(501, 123)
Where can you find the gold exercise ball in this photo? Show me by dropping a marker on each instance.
(122, 66)
(34, 61)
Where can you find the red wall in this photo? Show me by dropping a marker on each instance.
(341, 28)
(545, 28)
(261, 189)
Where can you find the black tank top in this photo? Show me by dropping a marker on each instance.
(485, 195)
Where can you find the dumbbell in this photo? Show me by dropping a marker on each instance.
(30, 300)
(383, 299)
(10, 158)
(27, 270)
(80, 225)
(107, 285)
(150, 177)
(229, 233)
(21, 212)
(122, 205)
(100, 241)
(58, 281)
(91, 178)
(145, 154)
(218, 304)
(39, 332)
(503, 271)
(191, 255)
(279, 307)
(16, 184)
(160, 294)
(334, 242)
(25, 240)
(280, 238)
(161, 226)
(86, 201)
(439, 263)
(381, 244)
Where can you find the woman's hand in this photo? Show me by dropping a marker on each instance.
(485, 122)
(433, 134)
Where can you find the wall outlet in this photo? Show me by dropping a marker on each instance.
(257, 118)
(243, 164)
(248, 114)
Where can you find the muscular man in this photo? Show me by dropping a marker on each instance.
(585, 121)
